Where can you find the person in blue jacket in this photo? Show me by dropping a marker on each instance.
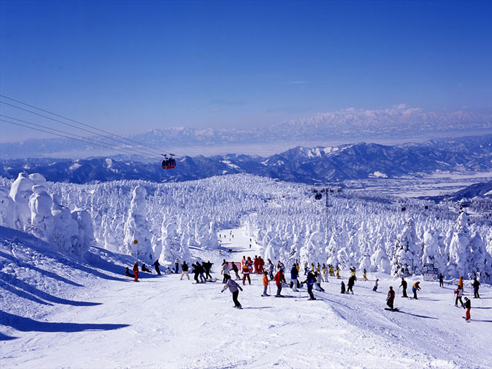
(294, 273)
(310, 281)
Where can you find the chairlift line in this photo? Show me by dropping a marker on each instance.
(130, 145)
(120, 139)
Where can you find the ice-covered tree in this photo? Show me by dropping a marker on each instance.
(459, 248)
(20, 192)
(406, 258)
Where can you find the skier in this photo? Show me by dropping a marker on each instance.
(461, 284)
(206, 267)
(351, 283)
(184, 268)
(441, 280)
(375, 288)
(415, 288)
(225, 270)
(390, 299)
(459, 293)
(233, 287)
(265, 284)
(246, 274)
(318, 282)
(235, 270)
(135, 270)
(156, 266)
(279, 277)
(310, 280)
(176, 266)
(365, 274)
(404, 285)
(342, 289)
(476, 285)
(294, 273)
(468, 308)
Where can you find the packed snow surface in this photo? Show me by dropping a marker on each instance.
(60, 313)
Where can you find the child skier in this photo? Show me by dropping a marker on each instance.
(342, 288)
(234, 288)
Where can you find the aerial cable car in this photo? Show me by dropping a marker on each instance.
(168, 162)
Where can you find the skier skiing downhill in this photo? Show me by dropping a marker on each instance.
(390, 299)
(234, 288)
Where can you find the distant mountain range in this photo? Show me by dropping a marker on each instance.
(300, 164)
(349, 125)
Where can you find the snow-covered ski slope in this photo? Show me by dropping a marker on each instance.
(57, 313)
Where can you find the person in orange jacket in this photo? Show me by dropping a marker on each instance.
(460, 283)
(265, 284)
(135, 270)
(246, 274)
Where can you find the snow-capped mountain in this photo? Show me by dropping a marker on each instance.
(300, 164)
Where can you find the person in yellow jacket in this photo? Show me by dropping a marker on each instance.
(415, 288)
(265, 284)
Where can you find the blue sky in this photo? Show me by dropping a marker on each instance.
(130, 66)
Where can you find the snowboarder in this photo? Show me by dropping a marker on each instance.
(294, 273)
(415, 288)
(404, 287)
(279, 277)
(145, 269)
(310, 280)
(390, 299)
(351, 283)
(476, 285)
(135, 270)
(468, 308)
(342, 289)
(156, 266)
(234, 288)
(441, 280)
(184, 268)
(265, 284)
(225, 270)
(459, 293)
(375, 288)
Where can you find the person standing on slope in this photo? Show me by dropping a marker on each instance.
(476, 286)
(234, 288)
(404, 287)
(351, 283)
(184, 268)
(225, 270)
(390, 299)
(415, 288)
(310, 280)
(375, 288)
(279, 277)
(459, 294)
(156, 266)
(441, 280)
(265, 282)
(246, 274)
(294, 273)
(135, 271)
(468, 308)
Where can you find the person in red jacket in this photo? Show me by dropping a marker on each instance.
(279, 277)
(135, 270)
(391, 298)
